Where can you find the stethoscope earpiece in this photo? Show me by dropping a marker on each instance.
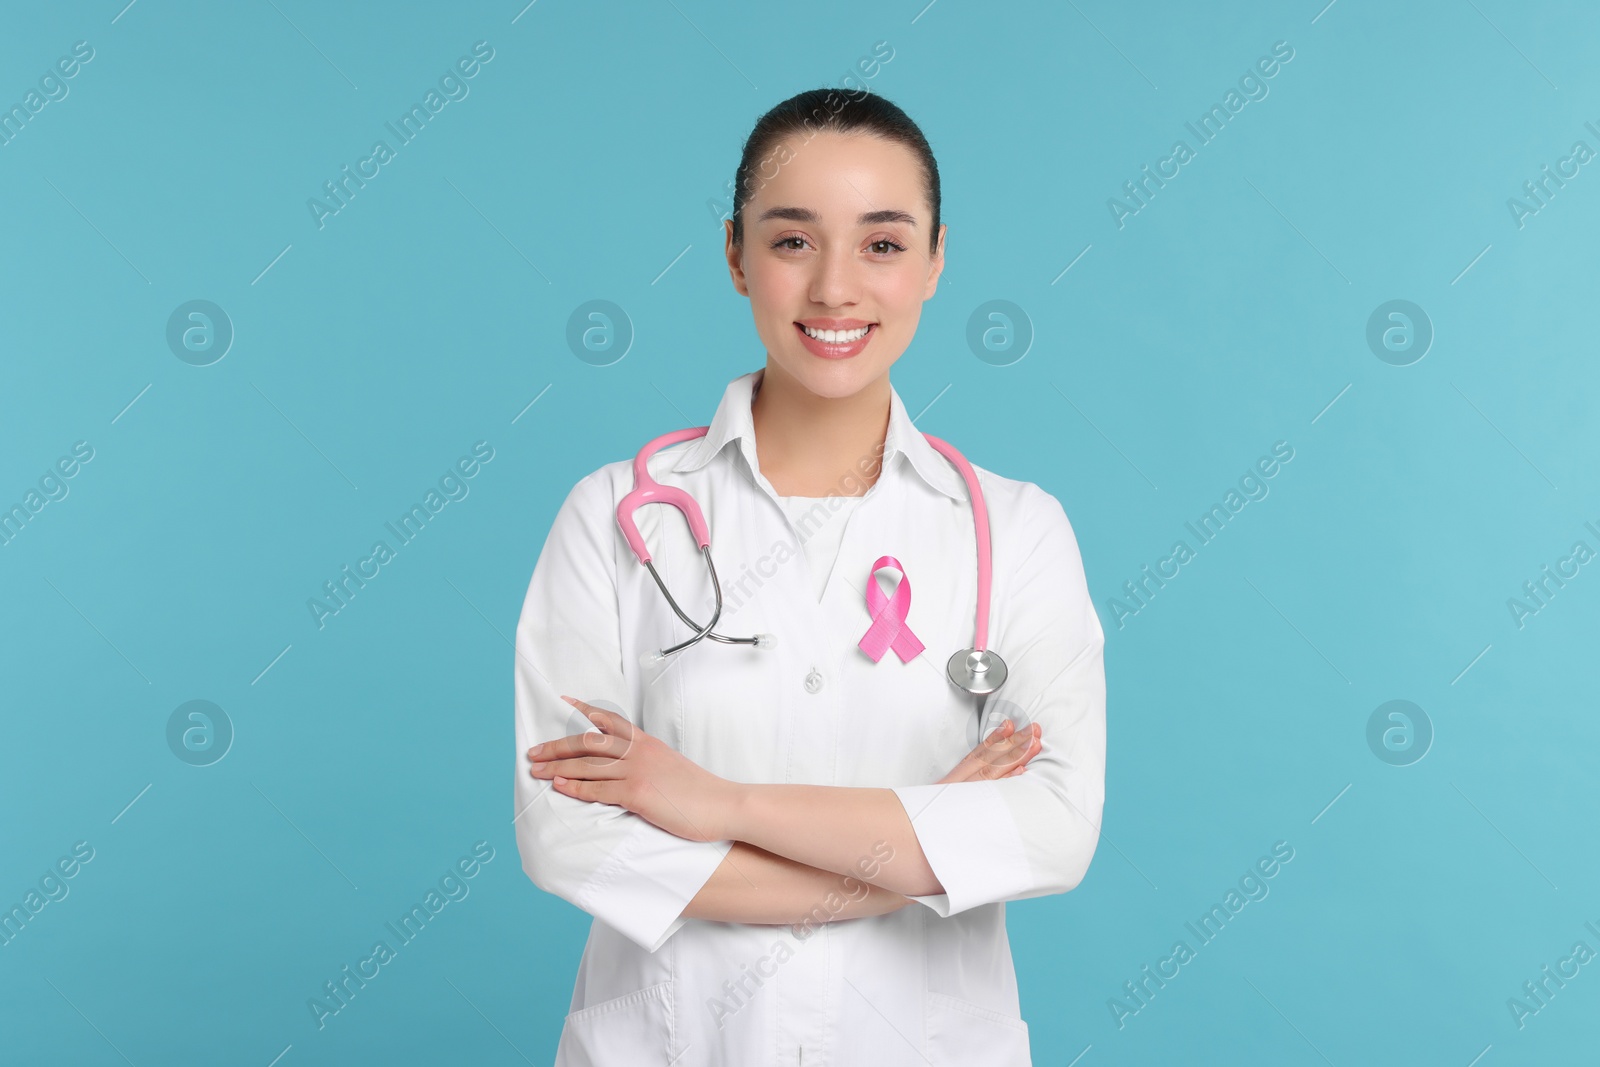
(762, 641)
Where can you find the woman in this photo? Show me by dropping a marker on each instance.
(800, 854)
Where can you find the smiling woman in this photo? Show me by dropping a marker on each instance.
(733, 786)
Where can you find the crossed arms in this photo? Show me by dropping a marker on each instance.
(793, 844)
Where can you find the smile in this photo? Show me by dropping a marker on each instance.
(836, 344)
(837, 337)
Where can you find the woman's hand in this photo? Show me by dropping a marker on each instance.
(625, 766)
(1003, 754)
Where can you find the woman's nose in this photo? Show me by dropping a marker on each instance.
(837, 281)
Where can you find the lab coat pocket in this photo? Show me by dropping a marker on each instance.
(635, 1028)
(960, 1032)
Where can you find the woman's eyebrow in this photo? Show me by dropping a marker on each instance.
(866, 218)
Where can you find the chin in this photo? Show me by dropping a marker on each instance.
(834, 378)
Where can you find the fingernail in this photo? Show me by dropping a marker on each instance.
(535, 750)
(539, 765)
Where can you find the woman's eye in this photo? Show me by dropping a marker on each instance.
(786, 243)
(895, 245)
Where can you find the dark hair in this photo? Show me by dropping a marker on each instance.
(841, 111)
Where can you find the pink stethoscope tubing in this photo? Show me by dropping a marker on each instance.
(977, 669)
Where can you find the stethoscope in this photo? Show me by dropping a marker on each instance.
(978, 670)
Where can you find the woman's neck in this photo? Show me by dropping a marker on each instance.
(810, 445)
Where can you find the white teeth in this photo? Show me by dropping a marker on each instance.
(837, 337)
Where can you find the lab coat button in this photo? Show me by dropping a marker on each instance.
(813, 681)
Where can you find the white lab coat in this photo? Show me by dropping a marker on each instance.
(929, 984)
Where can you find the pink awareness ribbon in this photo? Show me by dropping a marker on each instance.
(889, 629)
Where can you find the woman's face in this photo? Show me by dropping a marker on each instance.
(836, 237)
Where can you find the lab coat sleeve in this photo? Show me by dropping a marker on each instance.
(601, 858)
(1035, 833)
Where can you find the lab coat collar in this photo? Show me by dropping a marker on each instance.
(734, 421)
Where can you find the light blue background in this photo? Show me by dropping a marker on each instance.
(589, 156)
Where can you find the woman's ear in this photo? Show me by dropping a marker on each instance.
(735, 257)
(935, 264)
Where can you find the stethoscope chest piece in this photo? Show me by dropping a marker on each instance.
(978, 671)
